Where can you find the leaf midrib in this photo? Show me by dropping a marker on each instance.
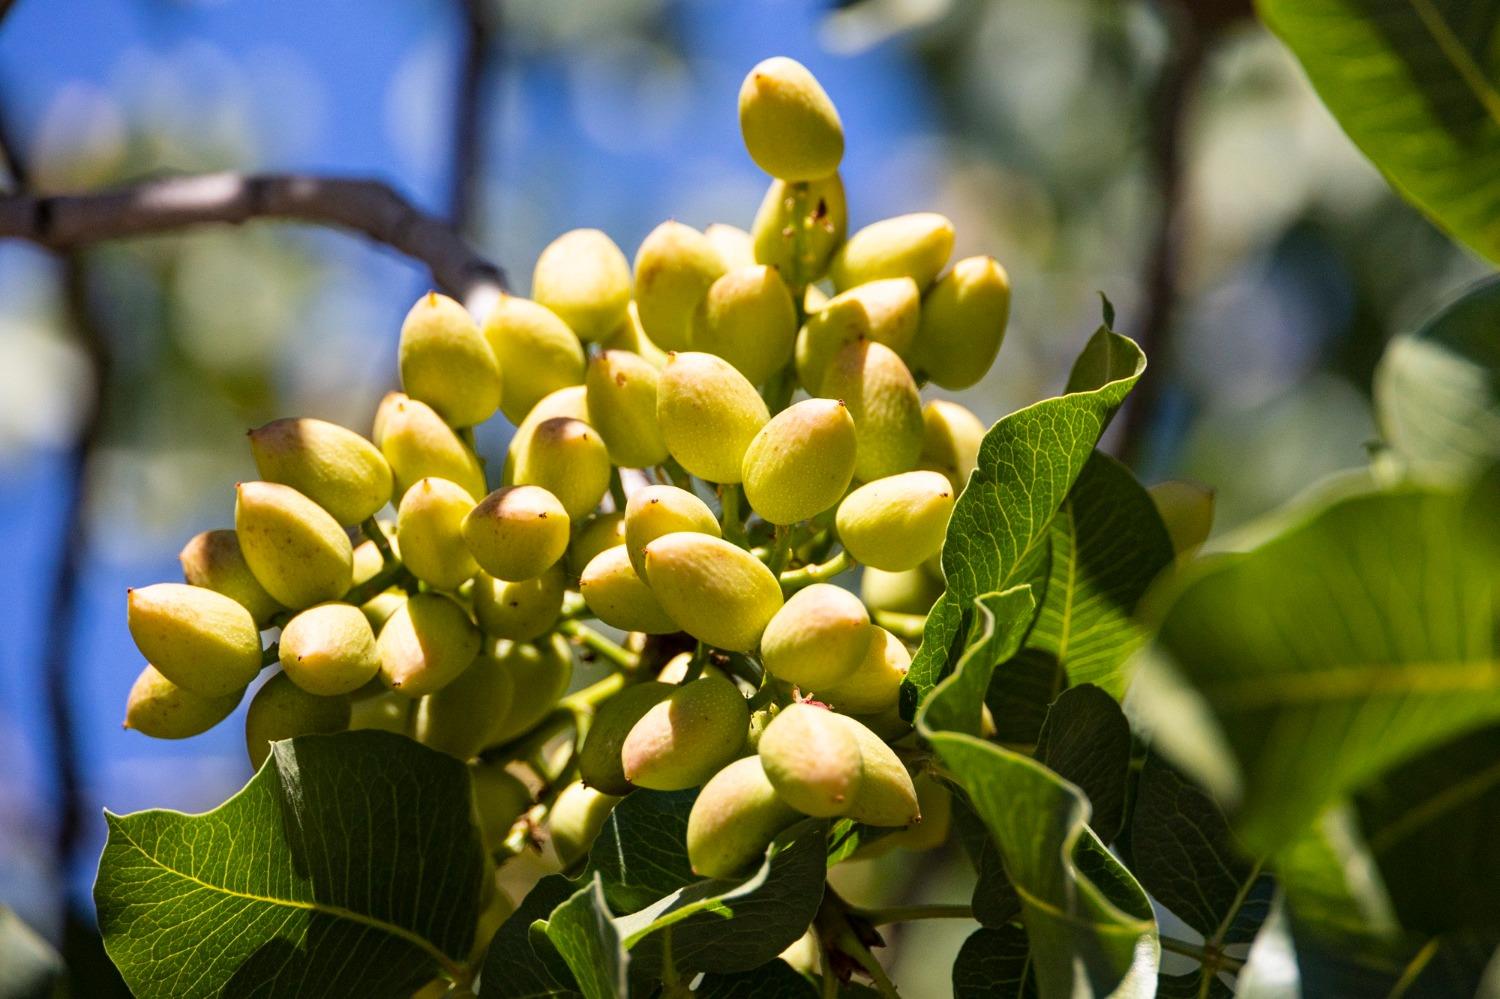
(1452, 49)
(1355, 681)
(448, 964)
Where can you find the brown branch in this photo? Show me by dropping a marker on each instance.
(371, 207)
(469, 133)
(1194, 25)
(61, 617)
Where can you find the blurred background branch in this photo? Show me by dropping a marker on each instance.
(371, 207)
(1193, 27)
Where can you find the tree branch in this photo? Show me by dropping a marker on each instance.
(469, 133)
(370, 207)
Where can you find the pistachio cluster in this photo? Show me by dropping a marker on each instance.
(703, 442)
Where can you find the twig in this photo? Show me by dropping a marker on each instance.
(599, 645)
(1170, 106)
(474, 73)
(371, 207)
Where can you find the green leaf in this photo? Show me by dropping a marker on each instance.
(29, 966)
(776, 980)
(1090, 925)
(728, 926)
(995, 901)
(1437, 391)
(347, 866)
(521, 965)
(1000, 622)
(1107, 544)
(1414, 83)
(1353, 640)
(584, 933)
(641, 853)
(1086, 740)
(994, 964)
(1331, 882)
(1000, 527)
(1186, 857)
(1430, 824)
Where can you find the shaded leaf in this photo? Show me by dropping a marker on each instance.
(520, 964)
(1019, 695)
(346, 866)
(1416, 84)
(584, 933)
(1331, 881)
(776, 980)
(734, 925)
(994, 964)
(641, 852)
(1430, 824)
(1107, 544)
(995, 900)
(1090, 925)
(1437, 391)
(1000, 526)
(1086, 740)
(1354, 639)
(1186, 857)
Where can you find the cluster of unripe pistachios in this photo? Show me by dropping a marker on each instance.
(661, 479)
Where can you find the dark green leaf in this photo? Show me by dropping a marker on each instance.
(1431, 824)
(729, 926)
(995, 900)
(1437, 391)
(1107, 544)
(347, 866)
(1331, 882)
(523, 965)
(1086, 740)
(1188, 860)
(776, 980)
(1090, 924)
(29, 967)
(1019, 695)
(1415, 84)
(1351, 641)
(641, 853)
(1000, 525)
(584, 933)
(994, 964)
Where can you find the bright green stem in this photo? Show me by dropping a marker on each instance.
(376, 584)
(804, 577)
(270, 655)
(573, 606)
(591, 639)
(617, 489)
(849, 942)
(904, 626)
(732, 517)
(372, 529)
(781, 550)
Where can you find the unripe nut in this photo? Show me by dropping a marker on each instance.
(213, 560)
(882, 398)
(673, 270)
(426, 645)
(621, 390)
(747, 317)
(429, 525)
(297, 551)
(584, 278)
(334, 467)
(656, 510)
(715, 591)
(517, 532)
(198, 639)
(801, 462)
(897, 522)
(537, 352)
(790, 126)
(620, 598)
(734, 819)
(599, 763)
(329, 650)
(818, 638)
(282, 710)
(915, 246)
(687, 737)
(963, 323)
(708, 413)
(161, 709)
(447, 363)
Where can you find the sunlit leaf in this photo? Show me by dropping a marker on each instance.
(340, 869)
(1416, 84)
(1353, 640)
